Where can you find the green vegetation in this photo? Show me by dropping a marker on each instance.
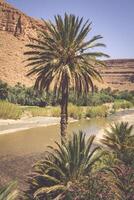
(78, 170)
(62, 60)
(97, 111)
(45, 104)
(66, 163)
(13, 111)
(21, 95)
(9, 192)
(122, 104)
(48, 111)
(120, 140)
(75, 112)
(9, 110)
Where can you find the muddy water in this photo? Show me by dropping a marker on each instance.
(35, 140)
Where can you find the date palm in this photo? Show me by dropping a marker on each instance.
(62, 59)
(120, 140)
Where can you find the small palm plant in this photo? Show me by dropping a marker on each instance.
(120, 140)
(63, 165)
(9, 192)
(62, 59)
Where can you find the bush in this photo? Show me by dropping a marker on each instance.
(3, 90)
(122, 104)
(100, 185)
(20, 94)
(75, 112)
(97, 111)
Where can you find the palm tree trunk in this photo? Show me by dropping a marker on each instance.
(64, 110)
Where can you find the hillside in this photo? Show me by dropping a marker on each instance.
(16, 28)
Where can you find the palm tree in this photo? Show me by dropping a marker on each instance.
(63, 165)
(120, 140)
(9, 192)
(61, 60)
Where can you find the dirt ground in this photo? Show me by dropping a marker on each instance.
(17, 168)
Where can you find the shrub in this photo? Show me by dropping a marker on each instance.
(122, 104)
(125, 175)
(97, 111)
(101, 185)
(3, 90)
(75, 112)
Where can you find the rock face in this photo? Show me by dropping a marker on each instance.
(16, 28)
(119, 74)
(17, 23)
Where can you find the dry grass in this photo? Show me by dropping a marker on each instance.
(9, 110)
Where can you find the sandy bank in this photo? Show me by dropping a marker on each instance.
(10, 126)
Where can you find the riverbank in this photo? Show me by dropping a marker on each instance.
(10, 126)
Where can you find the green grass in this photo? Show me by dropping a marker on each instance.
(76, 112)
(9, 110)
(97, 111)
(49, 111)
(122, 104)
(13, 111)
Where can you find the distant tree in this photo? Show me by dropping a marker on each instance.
(3, 90)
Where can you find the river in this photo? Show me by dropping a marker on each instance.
(35, 140)
(20, 150)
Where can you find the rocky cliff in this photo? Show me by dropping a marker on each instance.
(119, 74)
(17, 23)
(16, 28)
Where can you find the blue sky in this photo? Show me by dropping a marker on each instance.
(113, 19)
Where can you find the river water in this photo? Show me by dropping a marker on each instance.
(36, 140)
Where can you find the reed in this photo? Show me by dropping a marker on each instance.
(122, 104)
(9, 110)
(97, 111)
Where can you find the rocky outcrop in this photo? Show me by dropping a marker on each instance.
(17, 23)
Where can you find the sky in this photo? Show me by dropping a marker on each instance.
(113, 19)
